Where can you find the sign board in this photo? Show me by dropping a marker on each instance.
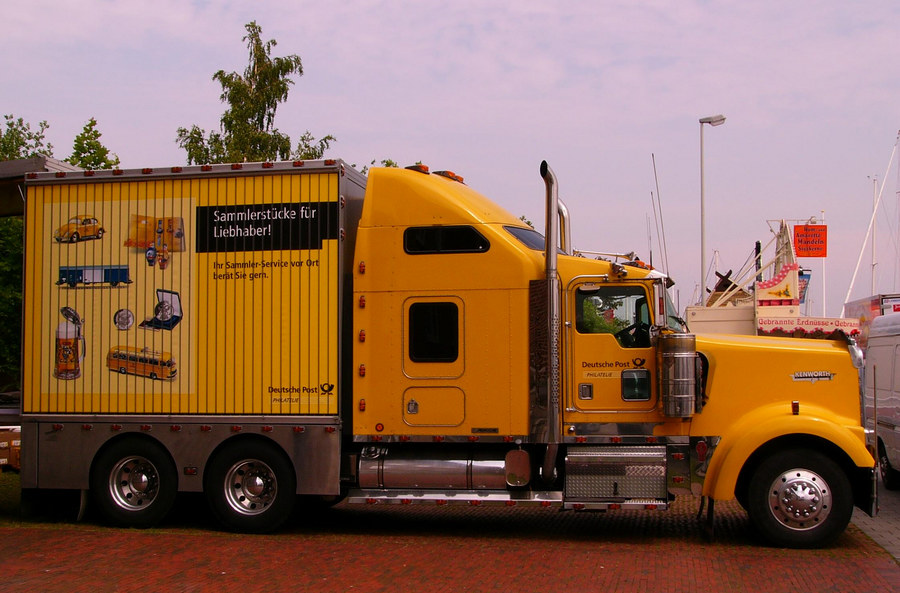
(811, 240)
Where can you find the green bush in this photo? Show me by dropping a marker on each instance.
(11, 229)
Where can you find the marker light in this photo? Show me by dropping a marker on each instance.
(451, 175)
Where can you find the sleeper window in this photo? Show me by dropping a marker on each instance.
(433, 332)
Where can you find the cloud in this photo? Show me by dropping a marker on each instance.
(491, 88)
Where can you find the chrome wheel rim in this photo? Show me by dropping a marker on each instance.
(250, 487)
(800, 499)
(134, 483)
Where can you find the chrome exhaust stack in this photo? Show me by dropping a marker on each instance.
(551, 241)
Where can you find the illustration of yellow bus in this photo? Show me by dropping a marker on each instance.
(142, 362)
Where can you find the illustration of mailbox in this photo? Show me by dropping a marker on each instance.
(167, 313)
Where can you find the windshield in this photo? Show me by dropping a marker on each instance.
(529, 237)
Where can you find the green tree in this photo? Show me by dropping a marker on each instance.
(18, 141)
(87, 151)
(11, 229)
(308, 148)
(247, 129)
(390, 163)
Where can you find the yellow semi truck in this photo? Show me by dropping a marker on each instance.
(398, 338)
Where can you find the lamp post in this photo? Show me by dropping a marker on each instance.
(713, 120)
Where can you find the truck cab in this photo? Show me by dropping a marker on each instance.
(612, 404)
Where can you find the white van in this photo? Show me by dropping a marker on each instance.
(883, 372)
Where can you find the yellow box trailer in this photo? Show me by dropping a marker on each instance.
(272, 332)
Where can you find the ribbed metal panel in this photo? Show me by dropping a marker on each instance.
(616, 472)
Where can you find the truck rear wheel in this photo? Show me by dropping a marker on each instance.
(133, 483)
(250, 486)
(800, 499)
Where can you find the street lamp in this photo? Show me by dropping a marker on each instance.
(713, 120)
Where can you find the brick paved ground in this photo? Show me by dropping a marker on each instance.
(885, 528)
(428, 549)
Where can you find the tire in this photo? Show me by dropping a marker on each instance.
(133, 483)
(74, 238)
(799, 499)
(250, 486)
(890, 477)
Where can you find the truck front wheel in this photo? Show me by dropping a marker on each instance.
(800, 499)
(250, 486)
(134, 483)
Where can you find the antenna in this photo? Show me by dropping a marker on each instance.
(660, 224)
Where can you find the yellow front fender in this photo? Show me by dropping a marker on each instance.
(771, 422)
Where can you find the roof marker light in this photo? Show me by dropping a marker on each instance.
(451, 175)
(419, 167)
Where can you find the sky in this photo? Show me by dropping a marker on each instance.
(609, 93)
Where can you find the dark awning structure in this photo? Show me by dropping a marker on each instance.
(12, 180)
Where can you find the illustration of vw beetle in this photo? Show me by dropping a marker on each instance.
(79, 228)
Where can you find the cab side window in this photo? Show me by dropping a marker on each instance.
(444, 239)
(618, 310)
